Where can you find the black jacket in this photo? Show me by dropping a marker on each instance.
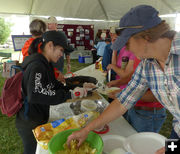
(41, 88)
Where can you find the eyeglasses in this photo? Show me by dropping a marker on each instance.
(120, 29)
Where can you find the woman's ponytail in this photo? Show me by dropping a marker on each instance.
(34, 46)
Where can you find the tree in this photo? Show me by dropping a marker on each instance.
(5, 30)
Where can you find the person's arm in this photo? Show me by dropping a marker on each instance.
(125, 100)
(41, 90)
(123, 73)
(147, 97)
(119, 82)
(60, 77)
(68, 63)
(115, 107)
(114, 57)
(161, 151)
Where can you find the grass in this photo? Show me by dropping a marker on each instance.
(10, 142)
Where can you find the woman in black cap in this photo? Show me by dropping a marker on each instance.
(40, 88)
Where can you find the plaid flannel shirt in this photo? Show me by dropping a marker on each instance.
(165, 85)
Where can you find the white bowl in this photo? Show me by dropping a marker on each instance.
(118, 151)
(144, 143)
(88, 105)
(112, 142)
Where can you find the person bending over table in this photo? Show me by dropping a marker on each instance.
(150, 39)
(40, 88)
(147, 115)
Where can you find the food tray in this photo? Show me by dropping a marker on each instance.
(76, 106)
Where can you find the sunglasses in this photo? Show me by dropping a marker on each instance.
(120, 29)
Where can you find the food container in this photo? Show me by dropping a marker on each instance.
(76, 106)
(124, 62)
(88, 105)
(57, 142)
(69, 75)
(112, 142)
(81, 59)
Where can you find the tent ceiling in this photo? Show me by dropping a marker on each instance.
(88, 9)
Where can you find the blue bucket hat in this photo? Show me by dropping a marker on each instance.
(137, 19)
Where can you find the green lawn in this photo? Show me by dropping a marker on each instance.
(10, 142)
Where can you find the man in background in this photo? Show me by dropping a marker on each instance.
(107, 56)
(52, 25)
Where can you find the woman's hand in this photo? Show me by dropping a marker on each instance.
(78, 93)
(113, 94)
(61, 77)
(111, 84)
(110, 66)
(89, 86)
(161, 151)
(80, 136)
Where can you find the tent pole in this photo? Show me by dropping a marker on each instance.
(102, 7)
(169, 6)
(31, 6)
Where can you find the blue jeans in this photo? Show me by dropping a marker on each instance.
(146, 121)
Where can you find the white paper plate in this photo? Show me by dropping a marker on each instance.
(144, 143)
(107, 90)
(112, 142)
(118, 151)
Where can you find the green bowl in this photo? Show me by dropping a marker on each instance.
(56, 143)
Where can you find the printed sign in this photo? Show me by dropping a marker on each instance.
(19, 40)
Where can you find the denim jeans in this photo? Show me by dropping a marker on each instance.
(146, 121)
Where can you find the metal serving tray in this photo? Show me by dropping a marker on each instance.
(76, 106)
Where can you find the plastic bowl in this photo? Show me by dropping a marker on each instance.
(56, 143)
(88, 105)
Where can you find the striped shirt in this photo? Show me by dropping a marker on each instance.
(165, 85)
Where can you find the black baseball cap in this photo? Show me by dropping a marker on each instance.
(58, 38)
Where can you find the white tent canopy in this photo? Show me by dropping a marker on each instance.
(87, 9)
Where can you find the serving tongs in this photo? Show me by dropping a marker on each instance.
(92, 90)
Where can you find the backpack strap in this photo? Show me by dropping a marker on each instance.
(15, 67)
(26, 106)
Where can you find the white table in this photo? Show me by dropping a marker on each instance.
(118, 127)
(91, 71)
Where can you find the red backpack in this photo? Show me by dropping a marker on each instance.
(11, 99)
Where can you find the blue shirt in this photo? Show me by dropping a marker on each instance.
(107, 57)
(165, 85)
(100, 48)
